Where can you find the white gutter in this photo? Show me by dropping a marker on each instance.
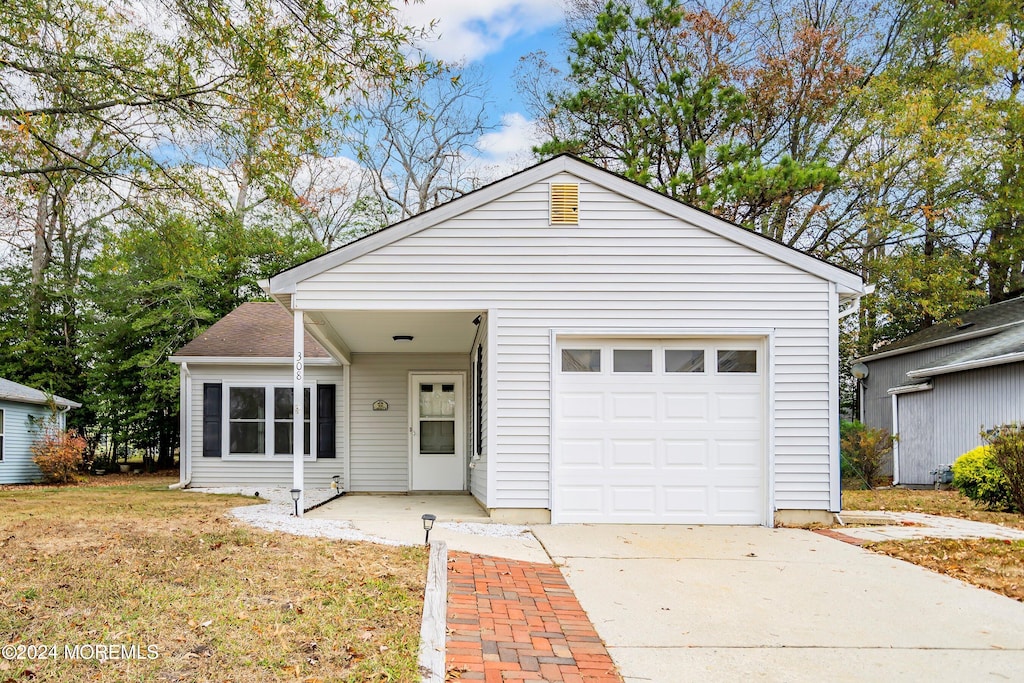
(967, 365)
(895, 392)
(248, 360)
(186, 430)
(910, 388)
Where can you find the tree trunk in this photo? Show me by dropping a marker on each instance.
(41, 255)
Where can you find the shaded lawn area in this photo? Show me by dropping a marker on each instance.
(137, 564)
(997, 565)
(929, 501)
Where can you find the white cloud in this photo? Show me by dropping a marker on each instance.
(471, 29)
(507, 149)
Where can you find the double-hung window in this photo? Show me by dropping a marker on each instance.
(260, 418)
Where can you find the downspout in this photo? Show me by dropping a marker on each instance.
(186, 430)
(895, 442)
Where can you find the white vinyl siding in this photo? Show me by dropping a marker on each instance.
(19, 433)
(263, 471)
(379, 439)
(625, 267)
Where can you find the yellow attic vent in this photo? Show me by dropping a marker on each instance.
(565, 204)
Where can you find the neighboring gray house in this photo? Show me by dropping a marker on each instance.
(21, 407)
(564, 345)
(938, 388)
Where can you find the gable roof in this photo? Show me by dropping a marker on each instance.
(848, 282)
(19, 393)
(981, 322)
(253, 330)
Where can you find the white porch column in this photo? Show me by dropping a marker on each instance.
(298, 338)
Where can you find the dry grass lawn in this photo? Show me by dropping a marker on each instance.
(989, 563)
(171, 573)
(929, 501)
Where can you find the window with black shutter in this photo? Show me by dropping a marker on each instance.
(212, 409)
(325, 447)
(479, 391)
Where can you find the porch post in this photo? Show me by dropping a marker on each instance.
(298, 339)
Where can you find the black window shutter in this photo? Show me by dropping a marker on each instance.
(325, 421)
(479, 399)
(212, 409)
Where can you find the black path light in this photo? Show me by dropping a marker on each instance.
(295, 498)
(428, 524)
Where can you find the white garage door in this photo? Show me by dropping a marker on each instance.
(668, 432)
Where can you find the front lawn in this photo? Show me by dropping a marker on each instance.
(181, 592)
(929, 501)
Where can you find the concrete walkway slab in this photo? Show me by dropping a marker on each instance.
(738, 603)
(901, 526)
(461, 523)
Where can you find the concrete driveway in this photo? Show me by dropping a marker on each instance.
(740, 603)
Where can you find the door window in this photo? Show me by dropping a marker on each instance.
(437, 419)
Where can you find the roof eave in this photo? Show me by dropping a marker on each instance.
(968, 365)
(249, 360)
(966, 336)
(56, 400)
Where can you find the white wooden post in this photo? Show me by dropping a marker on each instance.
(298, 339)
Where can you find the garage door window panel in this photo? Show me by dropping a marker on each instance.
(581, 360)
(684, 360)
(743, 361)
(632, 360)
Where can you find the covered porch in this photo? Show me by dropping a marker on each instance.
(412, 394)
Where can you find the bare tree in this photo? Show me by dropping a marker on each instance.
(334, 200)
(417, 147)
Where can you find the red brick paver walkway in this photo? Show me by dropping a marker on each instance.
(510, 620)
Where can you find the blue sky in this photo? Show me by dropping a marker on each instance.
(494, 34)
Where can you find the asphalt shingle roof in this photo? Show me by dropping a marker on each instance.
(19, 393)
(971, 323)
(253, 330)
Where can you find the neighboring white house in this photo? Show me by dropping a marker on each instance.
(563, 344)
(23, 410)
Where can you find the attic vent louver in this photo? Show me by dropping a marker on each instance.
(565, 204)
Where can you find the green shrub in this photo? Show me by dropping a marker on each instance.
(977, 475)
(1007, 444)
(862, 450)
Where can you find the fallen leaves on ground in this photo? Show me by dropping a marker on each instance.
(994, 564)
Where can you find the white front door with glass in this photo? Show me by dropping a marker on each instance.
(437, 432)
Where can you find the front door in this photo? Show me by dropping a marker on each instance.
(437, 432)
